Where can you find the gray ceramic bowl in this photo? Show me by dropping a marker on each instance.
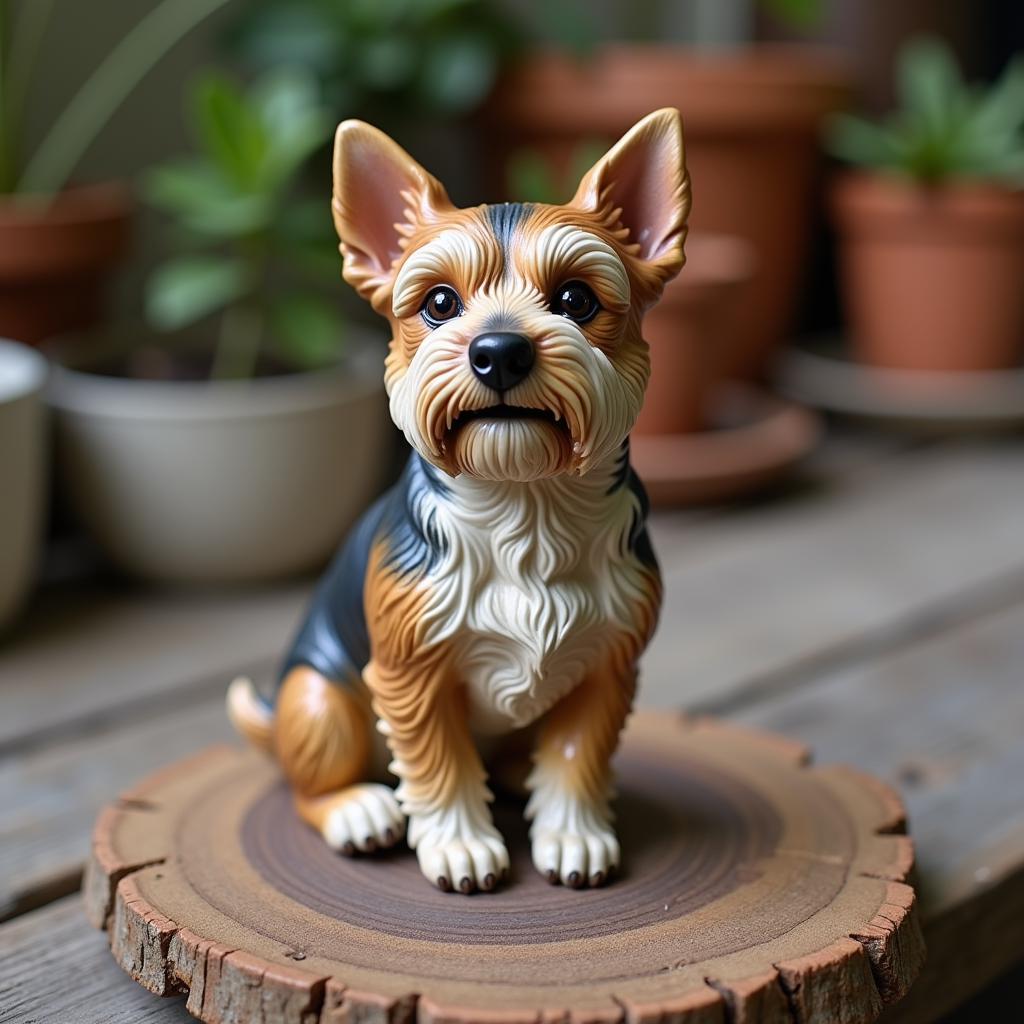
(203, 482)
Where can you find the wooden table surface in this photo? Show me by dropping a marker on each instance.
(874, 610)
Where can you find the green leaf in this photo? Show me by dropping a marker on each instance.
(182, 185)
(929, 84)
(229, 128)
(188, 288)
(387, 63)
(308, 331)
(529, 177)
(1001, 109)
(572, 27)
(306, 239)
(798, 14)
(457, 75)
(861, 142)
(295, 123)
(296, 34)
(584, 155)
(283, 96)
(197, 194)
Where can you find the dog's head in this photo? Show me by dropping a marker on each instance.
(516, 351)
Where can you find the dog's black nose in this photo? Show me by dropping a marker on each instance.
(501, 360)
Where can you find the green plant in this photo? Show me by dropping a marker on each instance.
(795, 14)
(375, 57)
(254, 253)
(22, 28)
(532, 179)
(944, 129)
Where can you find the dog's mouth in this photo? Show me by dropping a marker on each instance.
(508, 412)
(508, 442)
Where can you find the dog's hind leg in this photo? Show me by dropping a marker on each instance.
(322, 739)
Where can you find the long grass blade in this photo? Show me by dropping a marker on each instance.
(106, 89)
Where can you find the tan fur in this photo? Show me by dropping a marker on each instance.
(321, 733)
(415, 693)
(580, 735)
(249, 716)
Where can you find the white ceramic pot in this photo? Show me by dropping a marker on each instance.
(203, 482)
(23, 472)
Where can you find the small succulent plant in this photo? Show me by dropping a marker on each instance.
(944, 129)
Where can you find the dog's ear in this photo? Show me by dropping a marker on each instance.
(379, 192)
(642, 184)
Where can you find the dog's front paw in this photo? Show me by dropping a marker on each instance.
(575, 857)
(364, 817)
(464, 863)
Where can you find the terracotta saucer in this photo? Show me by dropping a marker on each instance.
(821, 374)
(754, 439)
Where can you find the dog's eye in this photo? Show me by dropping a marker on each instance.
(442, 304)
(576, 301)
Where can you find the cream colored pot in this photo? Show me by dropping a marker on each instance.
(22, 472)
(221, 482)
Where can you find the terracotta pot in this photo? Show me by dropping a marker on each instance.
(751, 118)
(691, 331)
(54, 256)
(932, 278)
(23, 472)
(219, 482)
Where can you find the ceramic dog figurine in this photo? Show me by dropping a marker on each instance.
(506, 586)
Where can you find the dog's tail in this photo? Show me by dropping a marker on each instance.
(250, 715)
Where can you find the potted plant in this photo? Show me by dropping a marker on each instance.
(752, 116)
(932, 227)
(385, 59)
(414, 67)
(237, 436)
(58, 241)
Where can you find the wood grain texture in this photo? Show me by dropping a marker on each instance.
(942, 720)
(768, 596)
(95, 654)
(54, 969)
(897, 661)
(50, 797)
(754, 888)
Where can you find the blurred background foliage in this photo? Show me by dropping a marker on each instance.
(246, 247)
(422, 69)
(384, 57)
(943, 128)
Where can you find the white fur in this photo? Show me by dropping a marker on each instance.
(536, 577)
(563, 252)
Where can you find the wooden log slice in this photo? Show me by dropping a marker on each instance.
(753, 888)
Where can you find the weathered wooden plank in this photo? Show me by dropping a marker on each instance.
(84, 653)
(762, 595)
(55, 968)
(943, 721)
(50, 797)
(769, 594)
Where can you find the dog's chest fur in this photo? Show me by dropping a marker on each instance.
(537, 581)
